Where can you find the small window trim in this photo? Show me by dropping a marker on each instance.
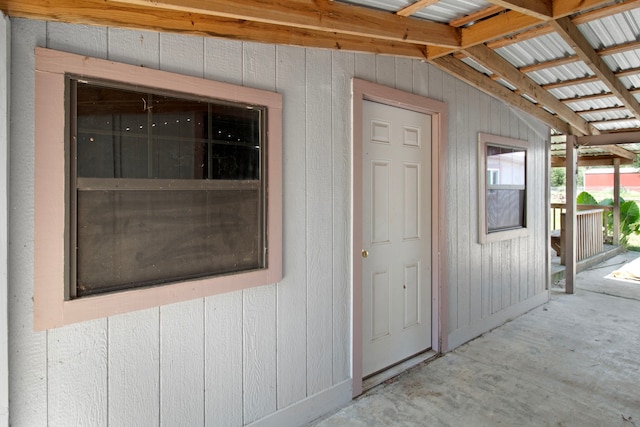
(52, 307)
(484, 236)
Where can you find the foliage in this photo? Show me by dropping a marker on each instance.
(585, 198)
(629, 215)
(558, 176)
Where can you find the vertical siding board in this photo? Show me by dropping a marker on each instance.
(487, 275)
(182, 54)
(475, 250)
(77, 374)
(5, 87)
(259, 304)
(404, 74)
(496, 250)
(223, 60)
(223, 360)
(27, 349)
(319, 223)
(365, 67)
(259, 352)
(449, 92)
(182, 364)
(436, 91)
(385, 70)
(65, 37)
(420, 78)
(182, 325)
(134, 47)
(134, 344)
(343, 67)
(463, 166)
(526, 255)
(291, 291)
(134, 369)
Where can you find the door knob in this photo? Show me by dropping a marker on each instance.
(365, 253)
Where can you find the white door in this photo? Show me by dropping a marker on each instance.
(396, 235)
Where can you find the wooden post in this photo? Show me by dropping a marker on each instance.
(570, 236)
(616, 201)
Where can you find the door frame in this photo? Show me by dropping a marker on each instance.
(363, 90)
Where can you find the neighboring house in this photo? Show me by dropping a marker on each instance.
(280, 353)
(602, 179)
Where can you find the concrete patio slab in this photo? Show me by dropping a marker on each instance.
(574, 361)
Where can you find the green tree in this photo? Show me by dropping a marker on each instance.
(558, 177)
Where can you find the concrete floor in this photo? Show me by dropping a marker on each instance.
(574, 361)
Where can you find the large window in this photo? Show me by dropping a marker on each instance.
(147, 194)
(166, 187)
(503, 188)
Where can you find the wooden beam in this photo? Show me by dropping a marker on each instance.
(472, 17)
(549, 64)
(413, 8)
(499, 26)
(570, 216)
(620, 152)
(572, 82)
(616, 202)
(539, 9)
(320, 15)
(602, 110)
(572, 36)
(525, 84)
(619, 48)
(562, 8)
(93, 12)
(610, 138)
(559, 162)
(520, 37)
(513, 22)
(582, 18)
(467, 74)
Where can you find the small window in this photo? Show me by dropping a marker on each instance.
(146, 194)
(503, 192)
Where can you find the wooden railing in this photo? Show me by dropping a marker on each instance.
(590, 230)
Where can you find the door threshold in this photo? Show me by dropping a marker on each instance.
(395, 370)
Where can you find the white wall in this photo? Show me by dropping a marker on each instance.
(237, 358)
(5, 50)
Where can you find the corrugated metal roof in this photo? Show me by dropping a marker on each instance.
(534, 51)
(448, 10)
(443, 11)
(561, 73)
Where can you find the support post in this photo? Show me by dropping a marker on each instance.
(570, 235)
(616, 201)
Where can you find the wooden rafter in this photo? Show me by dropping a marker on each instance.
(485, 84)
(619, 151)
(320, 15)
(503, 68)
(582, 18)
(93, 12)
(513, 22)
(609, 139)
(574, 38)
(572, 82)
(602, 160)
(413, 8)
(540, 9)
(603, 110)
(481, 14)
